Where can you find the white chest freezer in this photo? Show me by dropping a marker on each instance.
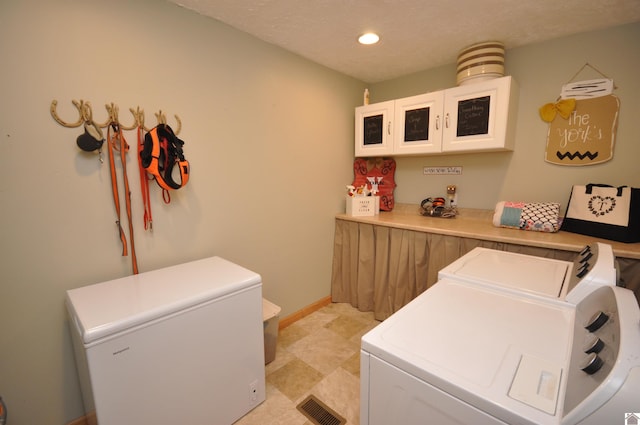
(179, 345)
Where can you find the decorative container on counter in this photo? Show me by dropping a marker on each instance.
(363, 206)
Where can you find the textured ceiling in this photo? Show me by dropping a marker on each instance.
(415, 34)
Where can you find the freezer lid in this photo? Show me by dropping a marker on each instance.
(106, 308)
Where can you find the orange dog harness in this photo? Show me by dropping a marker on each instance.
(160, 154)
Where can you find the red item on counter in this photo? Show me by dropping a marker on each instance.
(383, 170)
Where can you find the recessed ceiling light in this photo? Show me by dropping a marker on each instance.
(368, 38)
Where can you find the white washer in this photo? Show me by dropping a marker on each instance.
(462, 353)
(179, 345)
(592, 267)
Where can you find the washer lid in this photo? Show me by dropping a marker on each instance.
(104, 309)
(535, 275)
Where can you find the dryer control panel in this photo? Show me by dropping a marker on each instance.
(593, 267)
(606, 341)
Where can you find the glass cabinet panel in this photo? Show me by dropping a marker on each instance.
(476, 116)
(418, 121)
(374, 129)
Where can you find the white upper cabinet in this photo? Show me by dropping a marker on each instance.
(418, 124)
(480, 117)
(374, 129)
(471, 118)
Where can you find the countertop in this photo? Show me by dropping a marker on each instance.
(478, 224)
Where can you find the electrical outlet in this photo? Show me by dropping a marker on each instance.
(452, 195)
(253, 391)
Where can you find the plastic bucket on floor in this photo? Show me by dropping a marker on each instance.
(271, 319)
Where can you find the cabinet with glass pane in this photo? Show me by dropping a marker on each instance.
(480, 117)
(471, 118)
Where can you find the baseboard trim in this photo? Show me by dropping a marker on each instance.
(80, 421)
(305, 311)
(89, 419)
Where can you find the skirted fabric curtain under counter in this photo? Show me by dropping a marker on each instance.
(379, 268)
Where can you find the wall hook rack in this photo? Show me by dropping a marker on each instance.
(85, 114)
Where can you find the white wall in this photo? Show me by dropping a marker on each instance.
(269, 137)
(523, 175)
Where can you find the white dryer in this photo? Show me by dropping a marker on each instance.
(179, 345)
(592, 267)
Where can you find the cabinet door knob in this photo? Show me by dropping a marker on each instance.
(437, 122)
(389, 128)
(446, 121)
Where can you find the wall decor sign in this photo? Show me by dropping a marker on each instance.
(379, 172)
(582, 123)
(587, 136)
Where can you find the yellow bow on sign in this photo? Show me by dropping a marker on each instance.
(564, 107)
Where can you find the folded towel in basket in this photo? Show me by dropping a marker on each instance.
(537, 216)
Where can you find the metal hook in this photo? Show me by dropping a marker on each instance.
(138, 115)
(113, 117)
(82, 107)
(110, 117)
(162, 119)
(177, 131)
(87, 112)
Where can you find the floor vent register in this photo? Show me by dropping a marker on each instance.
(319, 413)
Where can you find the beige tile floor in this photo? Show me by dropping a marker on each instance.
(319, 355)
